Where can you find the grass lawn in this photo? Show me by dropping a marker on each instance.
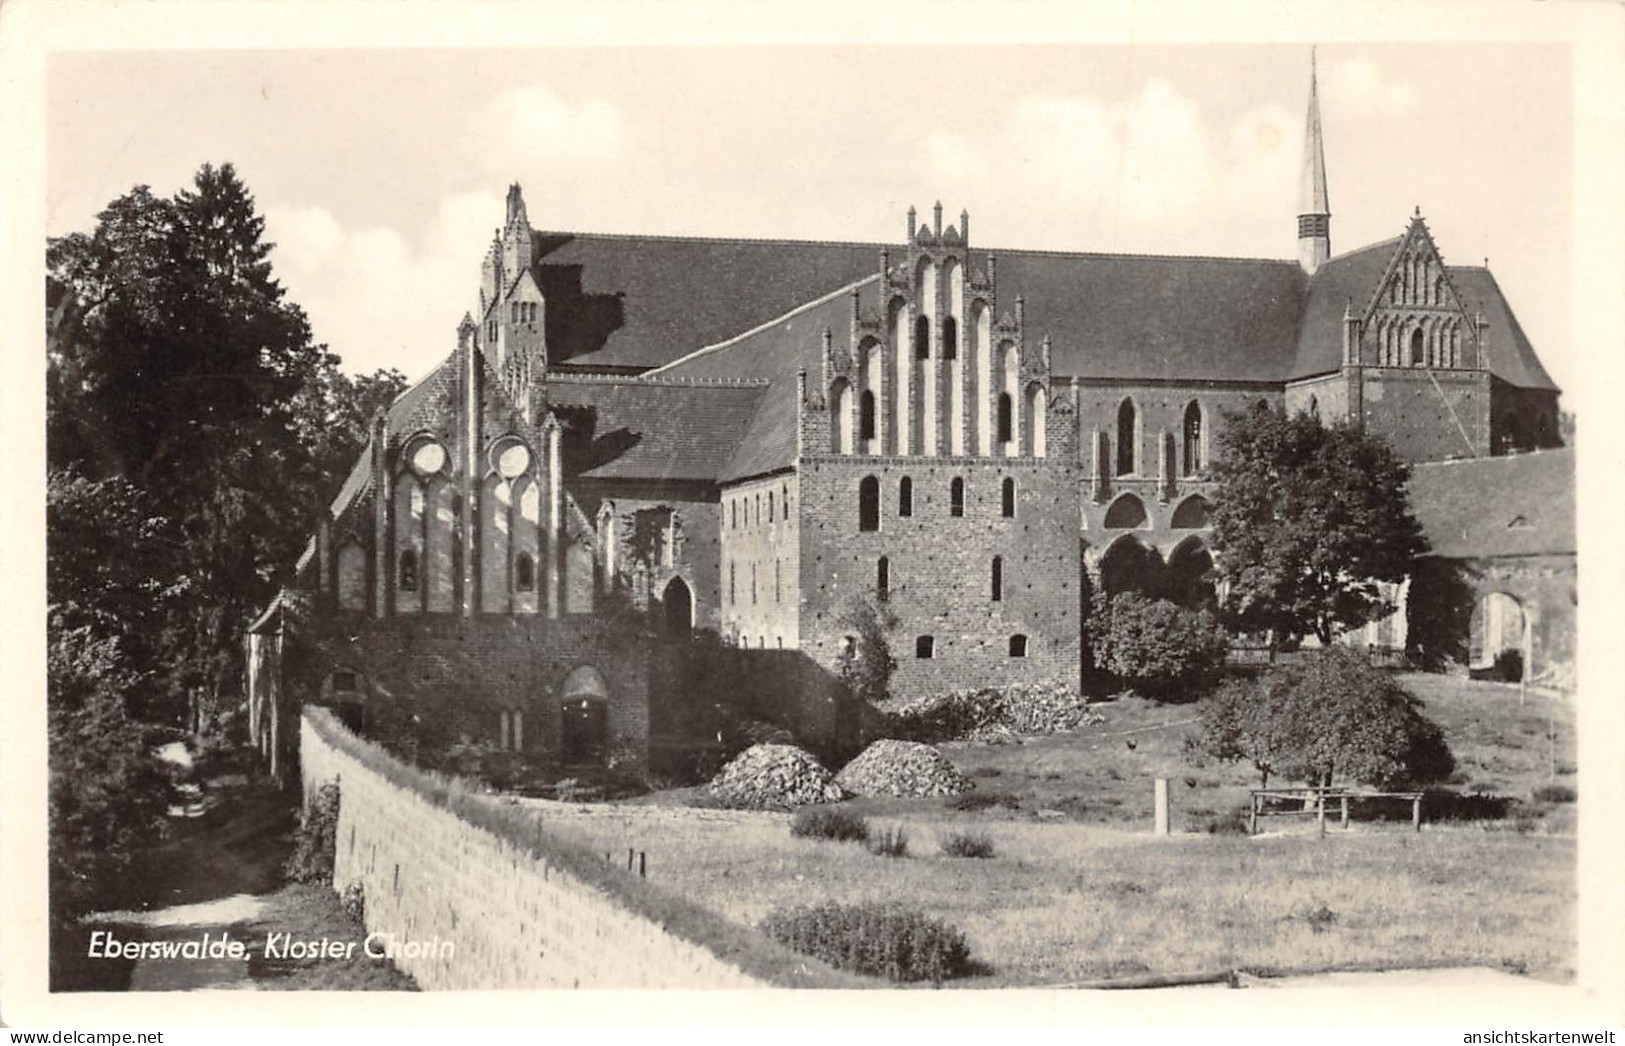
(1078, 889)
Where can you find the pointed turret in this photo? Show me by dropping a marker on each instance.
(516, 245)
(1314, 211)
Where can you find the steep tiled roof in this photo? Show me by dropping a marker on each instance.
(1355, 276)
(645, 428)
(1131, 316)
(646, 301)
(1518, 505)
(1511, 357)
(640, 301)
(775, 352)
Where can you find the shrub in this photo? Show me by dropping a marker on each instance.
(1154, 645)
(885, 940)
(967, 844)
(1554, 793)
(823, 822)
(316, 841)
(892, 841)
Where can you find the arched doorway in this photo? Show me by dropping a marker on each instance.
(678, 603)
(584, 718)
(1498, 637)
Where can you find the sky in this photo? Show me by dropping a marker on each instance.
(381, 173)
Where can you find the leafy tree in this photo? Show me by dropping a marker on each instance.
(1307, 520)
(1153, 644)
(108, 795)
(177, 366)
(866, 664)
(1325, 718)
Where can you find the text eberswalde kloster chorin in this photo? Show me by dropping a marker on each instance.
(377, 945)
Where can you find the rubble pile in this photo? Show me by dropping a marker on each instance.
(902, 768)
(774, 777)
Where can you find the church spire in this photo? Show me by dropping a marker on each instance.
(1314, 212)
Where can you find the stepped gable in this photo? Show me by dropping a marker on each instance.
(775, 353)
(1354, 277)
(646, 428)
(1478, 508)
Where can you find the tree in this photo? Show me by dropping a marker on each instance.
(1308, 519)
(1153, 644)
(1326, 718)
(866, 663)
(108, 794)
(177, 366)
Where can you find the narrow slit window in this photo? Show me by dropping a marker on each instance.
(1007, 498)
(998, 578)
(905, 497)
(956, 497)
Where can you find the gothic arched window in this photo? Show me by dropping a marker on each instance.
(1007, 424)
(1418, 352)
(1193, 439)
(409, 571)
(869, 504)
(524, 573)
(1007, 502)
(956, 497)
(1127, 438)
(905, 497)
(866, 415)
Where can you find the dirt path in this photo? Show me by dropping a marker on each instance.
(220, 875)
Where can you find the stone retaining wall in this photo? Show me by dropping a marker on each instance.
(514, 917)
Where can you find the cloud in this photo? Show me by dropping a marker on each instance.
(533, 125)
(1150, 172)
(375, 297)
(1358, 87)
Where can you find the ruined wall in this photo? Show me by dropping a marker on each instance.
(516, 912)
(461, 674)
(1446, 606)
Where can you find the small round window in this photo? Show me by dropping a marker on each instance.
(428, 457)
(513, 459)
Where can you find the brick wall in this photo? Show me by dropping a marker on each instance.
(698, 547)
(940, 567)
(1421, 419)
(514, 918)
(760, 564)
(465, 672)
(1444, 594)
